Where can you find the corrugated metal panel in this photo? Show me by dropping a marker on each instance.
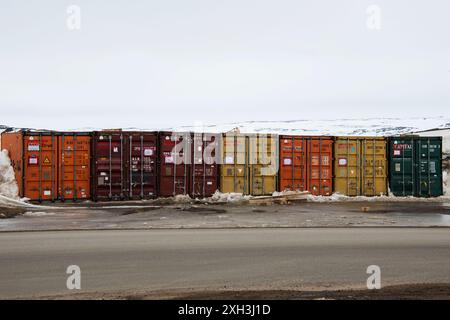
(360, 166)
(125, 165)
(306, 164)
(415, 166)
(188, 164)
(249, 163)
(74, 165)
(45, 164)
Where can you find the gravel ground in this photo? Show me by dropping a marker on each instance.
(309, 214)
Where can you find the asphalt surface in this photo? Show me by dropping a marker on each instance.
(33, 264)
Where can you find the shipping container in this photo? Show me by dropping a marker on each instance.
(306, 164)
(124, 165)
(415, 166)
(360, 166)
(50, 165)
(249, 163)
(188, 164)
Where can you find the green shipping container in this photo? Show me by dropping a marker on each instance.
(415, 166)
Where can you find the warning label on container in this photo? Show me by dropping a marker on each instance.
(397, 152)
(287, 161)
(148, 152)
(47, 160)
(229, 160)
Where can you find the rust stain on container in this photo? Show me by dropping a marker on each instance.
(360, 166)
(124, 165)
(306, 164)
(188, 163)
(50, 165)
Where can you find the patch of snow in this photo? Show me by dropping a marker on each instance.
(37, 214)
(228, 197)
(182, 198)
(8, 184)
(446, 183)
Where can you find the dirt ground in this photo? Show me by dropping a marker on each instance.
(397, 292)
(310, 214)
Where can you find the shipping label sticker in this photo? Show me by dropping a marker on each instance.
(342, 162)
(33, 147)
(148, 152)
(229, 160)
(47, 193)
(397, 167)
(209, 183)
(116, 149)
(33, 160)
(169, 159)
(397, 152)
(287, 161)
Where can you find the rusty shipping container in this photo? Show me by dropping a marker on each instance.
(124, 165)
(50, 165)
(360, 166)
(249, 163)
(188, 163)
(306, 164)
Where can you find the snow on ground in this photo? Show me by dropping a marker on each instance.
(228, 197)
(337, 197)
(446, 182)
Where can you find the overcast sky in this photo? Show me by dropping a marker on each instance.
(177, 62)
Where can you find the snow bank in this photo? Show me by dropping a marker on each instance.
(446, 182)
(228, 197)
(8, 185)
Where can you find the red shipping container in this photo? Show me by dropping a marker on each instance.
(306, 164)
(124, 165)
(188, 163)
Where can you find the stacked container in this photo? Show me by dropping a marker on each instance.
(124, 165)
(360, 166)
(415, 166)
(306, 164)
(249, 163)
(50, 165)
(188, 163)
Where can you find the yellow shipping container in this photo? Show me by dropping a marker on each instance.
(249, 163)
(360, 166)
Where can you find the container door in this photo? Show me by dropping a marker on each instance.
(74, 167)
(40, 167)
(204, 167)
(175, 161)
(347, 166)
(320, 180)
(108, 158)
(263, 157)
(402, 167)
(374, 171)
(429, 171)
(234, 168)
(293, 163)
(142, 157)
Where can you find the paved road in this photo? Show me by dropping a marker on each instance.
(34, 263)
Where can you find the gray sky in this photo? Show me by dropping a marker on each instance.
(162, 63)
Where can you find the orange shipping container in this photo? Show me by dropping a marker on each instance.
(306, 164)
(50, 165)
